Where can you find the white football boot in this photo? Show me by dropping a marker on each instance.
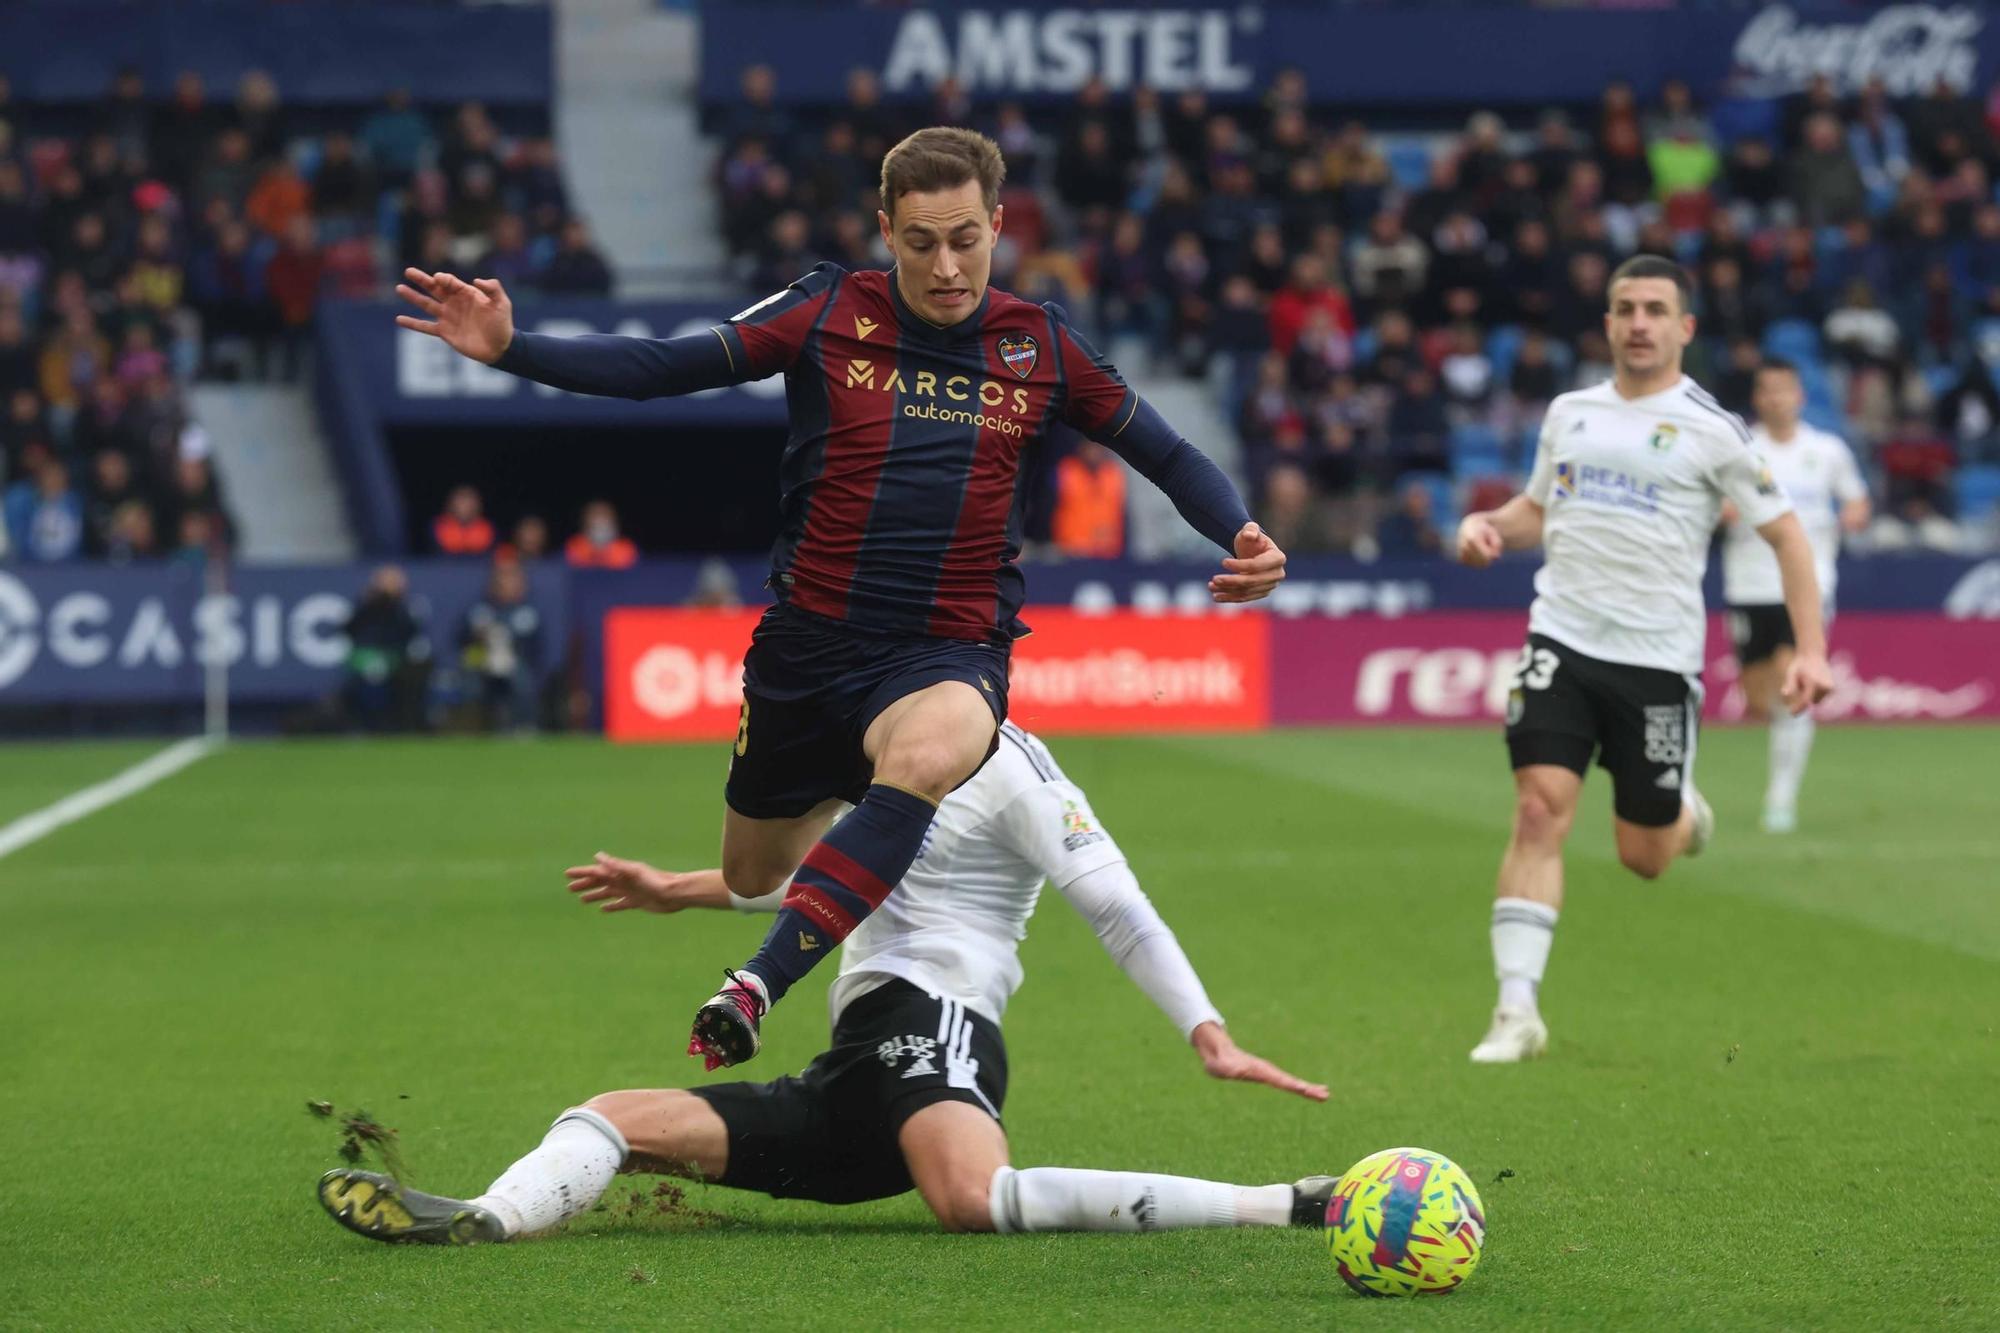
(1704, 821)
(1780, 819)
(1516, 1035)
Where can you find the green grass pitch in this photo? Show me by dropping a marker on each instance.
(1773, 1098)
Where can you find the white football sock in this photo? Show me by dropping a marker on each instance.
(560, 1179)
(1059, 1198)
(1791, 745)
(1523, 930)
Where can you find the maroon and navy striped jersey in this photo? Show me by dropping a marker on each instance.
(902, 477)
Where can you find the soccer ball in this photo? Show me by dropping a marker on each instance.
(1405, 1222)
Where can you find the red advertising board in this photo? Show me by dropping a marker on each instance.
(1448, 668)
(677, 675)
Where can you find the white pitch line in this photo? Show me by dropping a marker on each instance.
(81, 805)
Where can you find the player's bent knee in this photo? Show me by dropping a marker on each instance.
(964, 1204)
(666, 1129)
(933, 767)
(1537, 820)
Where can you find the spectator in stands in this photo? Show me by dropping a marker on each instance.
(1533, 277)
(1825, 183)
(182, 131)
(576, 269)
(1879, 145)
(598, 544)
(787, 252)
(132, 536)
(280, 198)
(1755, 178)
(195, 492)
(44, 514)
(396, 137)
(113, 490)
(1466, 373)
(344, 187)
(1419, 431)
(1090, 504)
(462, 529)
(72, 359)
(1388, 267)
(500, 645)
(507, 256)
(259, 114)
(226, 283)
(227, 173)
(529, 542)
(388, 664)
(533, 179)
(19, 368)
(1308, 290)
(1860, 331)
(293, 278)
(1410, 532)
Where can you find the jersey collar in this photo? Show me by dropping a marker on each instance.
(916, 326)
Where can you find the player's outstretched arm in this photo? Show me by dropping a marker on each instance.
(1145, 949)
(623, 886)
(1808, 679)
(477, 320)
(1483, 536)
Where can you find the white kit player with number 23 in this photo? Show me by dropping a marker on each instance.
(1628, 486)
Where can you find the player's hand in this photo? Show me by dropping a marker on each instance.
(1258, 567)
(1223, 1058)
(475, 317)
(1479, 542)
(623, 885)
(1807, 681)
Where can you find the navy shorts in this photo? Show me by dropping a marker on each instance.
(811, 687)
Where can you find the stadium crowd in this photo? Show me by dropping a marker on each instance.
(165, 235)
(1387, 314)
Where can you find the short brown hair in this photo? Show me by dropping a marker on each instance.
(1655, 266)
(942, 158)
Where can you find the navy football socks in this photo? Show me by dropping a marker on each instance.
(844, 877)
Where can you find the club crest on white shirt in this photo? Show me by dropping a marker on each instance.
(1664, 437)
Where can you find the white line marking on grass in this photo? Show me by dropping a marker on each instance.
(80, 805)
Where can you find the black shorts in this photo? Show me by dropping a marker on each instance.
(829, 1134)
(811, 686)
(1640, 721)
(1759, 632)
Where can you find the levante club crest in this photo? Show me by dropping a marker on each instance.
(1018, 351)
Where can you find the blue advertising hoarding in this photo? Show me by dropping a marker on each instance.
(94, 634)
(84, 634)
(1388, 54)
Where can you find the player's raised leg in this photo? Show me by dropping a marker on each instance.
(922, 746)
(1529, 893)
(957, 1155)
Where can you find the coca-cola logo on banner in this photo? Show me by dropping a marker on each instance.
(1908, 47)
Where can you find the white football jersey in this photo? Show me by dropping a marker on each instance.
(1817, 472)
(1631, 490)
(954, 925)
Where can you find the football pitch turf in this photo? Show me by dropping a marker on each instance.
(1773, 1097)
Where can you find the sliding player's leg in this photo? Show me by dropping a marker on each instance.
(957, 1156)
(562, 1177)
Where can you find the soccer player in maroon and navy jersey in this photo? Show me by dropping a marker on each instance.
(880, 677)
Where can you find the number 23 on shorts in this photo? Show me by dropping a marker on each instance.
(1534, 671)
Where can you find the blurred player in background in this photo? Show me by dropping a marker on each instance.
(1818, 472)
(880, 678)
(909, 1094)
(1627, 488)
